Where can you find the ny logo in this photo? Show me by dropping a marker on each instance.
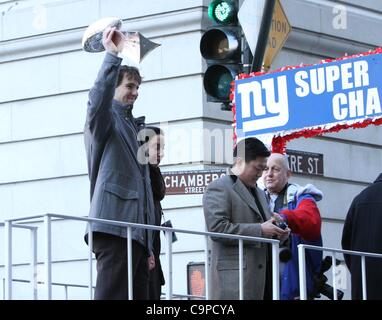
(261, 107)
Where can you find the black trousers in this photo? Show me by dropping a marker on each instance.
(156, 281)
(112, 280)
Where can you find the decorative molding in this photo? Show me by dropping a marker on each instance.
(323, 45)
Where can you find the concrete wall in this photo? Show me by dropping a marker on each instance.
(44, 84)
(44, 81)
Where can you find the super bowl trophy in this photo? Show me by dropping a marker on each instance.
(136, 46)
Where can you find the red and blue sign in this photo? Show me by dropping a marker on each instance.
(332, 93)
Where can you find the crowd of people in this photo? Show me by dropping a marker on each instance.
(126, 185)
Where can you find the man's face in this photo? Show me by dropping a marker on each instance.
(127, 91)
(155, 149)
(251, 171)
(275, 175)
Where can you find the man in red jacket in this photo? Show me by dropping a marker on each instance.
(295, 205)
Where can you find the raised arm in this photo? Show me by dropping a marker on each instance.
(102, 93)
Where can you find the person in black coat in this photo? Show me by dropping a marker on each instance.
(155, 143)
(363, 232)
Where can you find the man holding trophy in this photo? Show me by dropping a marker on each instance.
(119, 184)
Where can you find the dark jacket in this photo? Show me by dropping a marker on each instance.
(159, 191)
(362, 232)
(120, 187)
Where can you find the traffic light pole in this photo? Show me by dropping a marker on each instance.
(262, 42)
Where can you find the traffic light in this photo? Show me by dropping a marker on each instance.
(220, 45)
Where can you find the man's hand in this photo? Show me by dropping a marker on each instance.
(279, 219)
(113, 40)
(151, 261)
(269, 230)
(285, 236)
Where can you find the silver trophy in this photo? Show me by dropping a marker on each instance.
(136, 46)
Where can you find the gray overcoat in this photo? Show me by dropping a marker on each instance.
(229, 207)
(120, 187)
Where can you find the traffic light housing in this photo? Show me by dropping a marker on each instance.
(220, 46)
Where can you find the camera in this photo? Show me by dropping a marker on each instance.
(281, 224)
(285, 253)
(320, 285)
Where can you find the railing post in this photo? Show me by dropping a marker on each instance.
(48, 257)
(34, 262)
(241, 292)
(169, 265)
(8, 260)
(301, 271)
(363, 271)
(335, 296)
(90, 259)
(206, 269)
(275, 272)
(129, 263)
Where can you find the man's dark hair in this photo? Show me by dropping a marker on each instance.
(249, 149)
(130, 72)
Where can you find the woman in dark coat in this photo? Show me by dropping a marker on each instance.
(155, 143)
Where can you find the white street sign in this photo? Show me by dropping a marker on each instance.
(250, 15)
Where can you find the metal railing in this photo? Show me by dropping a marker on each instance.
(66, 286)
(302, 269)
(47, 221)
(8, 256)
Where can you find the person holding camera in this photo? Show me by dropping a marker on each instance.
(295, 206)
(234, 204)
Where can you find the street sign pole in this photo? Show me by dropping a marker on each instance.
(278, 34)
(262, 27)
(262, 42)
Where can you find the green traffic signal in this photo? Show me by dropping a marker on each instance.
(223, 11)
(217, 82)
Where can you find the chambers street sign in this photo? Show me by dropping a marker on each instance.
(190, 182)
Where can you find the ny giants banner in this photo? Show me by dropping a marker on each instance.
(345, 91)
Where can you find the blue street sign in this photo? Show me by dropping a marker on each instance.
(329, 93)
